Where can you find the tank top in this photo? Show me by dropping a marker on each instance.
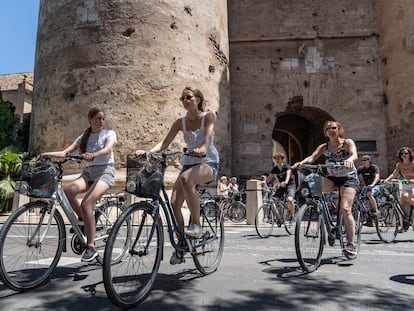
(194, 139)
(339, 156)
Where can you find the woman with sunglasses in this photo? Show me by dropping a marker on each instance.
(339, 150)
(404, 169)
(197, 127)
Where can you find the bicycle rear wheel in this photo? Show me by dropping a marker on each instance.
(236, 211)
(264, 221)
(30, 248)
(129, 280)
(208, 250)
(309, 236)
(105, 217)
(387, 224)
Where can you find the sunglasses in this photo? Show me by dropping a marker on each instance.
(404, 153)
(188, 97)
(333, 128)
(365, 160)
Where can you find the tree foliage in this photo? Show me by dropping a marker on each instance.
(6, 123)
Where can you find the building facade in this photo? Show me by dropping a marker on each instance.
(273, 71)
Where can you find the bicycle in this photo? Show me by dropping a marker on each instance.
(274, 210)
(130, 281)
(34, 236)
(315, 220)
(392, 212)
(233, 208)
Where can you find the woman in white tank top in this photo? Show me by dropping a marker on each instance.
(198, 130)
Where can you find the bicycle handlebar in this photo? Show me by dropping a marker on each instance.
(68, 157)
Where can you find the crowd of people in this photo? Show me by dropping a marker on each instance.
(197, 126)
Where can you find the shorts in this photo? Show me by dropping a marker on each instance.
(375, 191)
(350, 182)
(214, 166)
(106, 173)
(289, 189)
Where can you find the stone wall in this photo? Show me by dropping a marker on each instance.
(323, 52)
(395, 24)
(132, 58)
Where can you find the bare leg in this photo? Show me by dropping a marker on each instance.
(94, 193)
(347, 198)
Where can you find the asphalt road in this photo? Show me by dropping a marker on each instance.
(255, 274)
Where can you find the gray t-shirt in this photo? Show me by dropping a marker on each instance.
(97, 142)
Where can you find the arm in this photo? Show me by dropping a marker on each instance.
(351, 148)
(395, 172)
(62, 153)
(107, 149)
(162, 145)
(315, 155)
(209, 132)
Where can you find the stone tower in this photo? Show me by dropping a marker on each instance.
(132, 58)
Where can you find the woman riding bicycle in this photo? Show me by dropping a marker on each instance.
(95, 146)
(198, 129)
(339, 150)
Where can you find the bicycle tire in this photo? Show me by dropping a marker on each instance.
(309, 237)
(27, 265)
(105, 217)
(356, 213)
(129, 281)
(288, 220)
(387, 224)
(264, 221)
(208, 250)
(211, 209)
(236, 211)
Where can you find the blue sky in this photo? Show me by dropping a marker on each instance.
(18, 35)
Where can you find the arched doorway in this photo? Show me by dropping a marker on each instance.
(299, 131)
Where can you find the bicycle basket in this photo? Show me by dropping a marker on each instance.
(313, 182)
(145, 176)
(39, 181)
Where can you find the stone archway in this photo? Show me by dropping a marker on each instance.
(299, 130)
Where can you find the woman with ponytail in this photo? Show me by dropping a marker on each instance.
(95, 146)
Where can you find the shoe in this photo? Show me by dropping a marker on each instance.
(89, 254)
(377, 214)
(369, 223)
(405, 225)
(177, 257)
(401, 230)
(194, 231)
(350, 251)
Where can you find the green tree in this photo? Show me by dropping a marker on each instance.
(6, 123)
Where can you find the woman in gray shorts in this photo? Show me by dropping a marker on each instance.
(95, 146)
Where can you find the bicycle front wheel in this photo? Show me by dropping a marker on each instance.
(387, 223)
(236, 211)
(105, 217)
(128, 280)
(264, 221)
(208, 250)
(309, 237)
(31, 243)
(289, 220)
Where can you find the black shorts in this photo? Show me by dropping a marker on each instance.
(351, 182)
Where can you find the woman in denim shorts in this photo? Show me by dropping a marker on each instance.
(197, 127)
(95, 146)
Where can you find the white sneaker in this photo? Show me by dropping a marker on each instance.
(194, 231)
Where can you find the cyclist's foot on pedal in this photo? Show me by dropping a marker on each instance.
(177, 257)
(350, 251)
(194, 231)
(89, 254)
